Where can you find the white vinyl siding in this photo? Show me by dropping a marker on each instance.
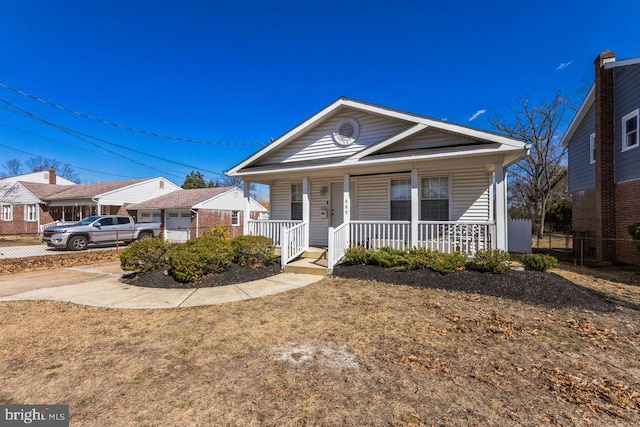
(318, 142)
(280, 201)
(373, 196)
(138, 192)
(630, 131)
(428, 139)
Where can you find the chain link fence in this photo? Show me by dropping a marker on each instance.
(582, 249)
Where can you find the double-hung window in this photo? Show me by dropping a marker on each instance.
(235, 217)
(434, 200)
(32, 213)
(630, 131)
(7, 212)
(400, 200)
(296, 201)
(592, 148)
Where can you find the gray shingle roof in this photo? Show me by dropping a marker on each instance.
(181, 198)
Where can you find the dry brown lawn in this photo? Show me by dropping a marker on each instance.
(339, 352)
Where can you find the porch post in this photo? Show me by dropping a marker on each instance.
(501, 207)
(415, 208)
(247, 207)
(346, 199)
(306, 209)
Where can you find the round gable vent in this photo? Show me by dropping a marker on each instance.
(346, 131)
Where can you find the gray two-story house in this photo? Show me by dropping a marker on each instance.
(604, 161)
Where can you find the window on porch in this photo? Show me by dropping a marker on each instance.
(434, 203)
(296, 202)
(400, 200)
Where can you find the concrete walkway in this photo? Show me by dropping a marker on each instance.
(98, 285)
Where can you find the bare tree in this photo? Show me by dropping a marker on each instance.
(37, 164)
(538, 177)
(13, 167)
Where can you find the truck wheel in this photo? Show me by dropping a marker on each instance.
(144, 236)
(77, 243)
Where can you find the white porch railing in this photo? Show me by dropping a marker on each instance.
(294, 242)
(456, 236)
(338, 244)
(378, 234)
(53, 224)
(270, 228)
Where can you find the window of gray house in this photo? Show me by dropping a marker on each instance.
(630, 131)
(296, 201)
(400, 200)
(592, 148)
(434, 203)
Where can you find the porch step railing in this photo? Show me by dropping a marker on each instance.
(294, 242)
(270, 228)
(338, 244)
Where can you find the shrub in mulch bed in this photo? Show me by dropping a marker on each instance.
(532, 287)
(232, 275)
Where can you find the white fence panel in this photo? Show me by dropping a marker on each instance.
(519, 235)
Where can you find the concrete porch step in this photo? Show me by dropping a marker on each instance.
(307, 266)
(315, 253)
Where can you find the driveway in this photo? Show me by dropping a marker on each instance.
(99, 285)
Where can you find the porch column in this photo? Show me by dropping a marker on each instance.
(415, 207)
(346, 199)
(501, 207)
(306, 208)
(247, 207)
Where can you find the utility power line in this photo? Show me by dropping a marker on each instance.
(131, 129)
(83, 137)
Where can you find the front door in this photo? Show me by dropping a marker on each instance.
(337, 203)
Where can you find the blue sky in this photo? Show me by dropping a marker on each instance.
(241, 73)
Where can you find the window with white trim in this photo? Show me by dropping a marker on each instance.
(592, 148)
(235, 217)
(145, 214)
(7, 212)
(32, 213)
(400, 200)
(434, 200)
(630, 131)
(296, 201)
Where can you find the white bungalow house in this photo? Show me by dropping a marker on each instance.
(361, 174)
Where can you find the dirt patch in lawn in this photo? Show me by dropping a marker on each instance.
(532, 287)
(338, 352)
(234, 274)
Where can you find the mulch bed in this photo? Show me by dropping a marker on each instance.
(532, 287)
(235, 274)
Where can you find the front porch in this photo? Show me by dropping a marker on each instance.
(444, 236)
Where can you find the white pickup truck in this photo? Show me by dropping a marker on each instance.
(99, 229)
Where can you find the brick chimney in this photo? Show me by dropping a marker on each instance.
(52, 175)
(604, 147)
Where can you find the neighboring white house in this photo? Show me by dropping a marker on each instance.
(188, 213)
(361, 174)
(43, 177)
(29, 206)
